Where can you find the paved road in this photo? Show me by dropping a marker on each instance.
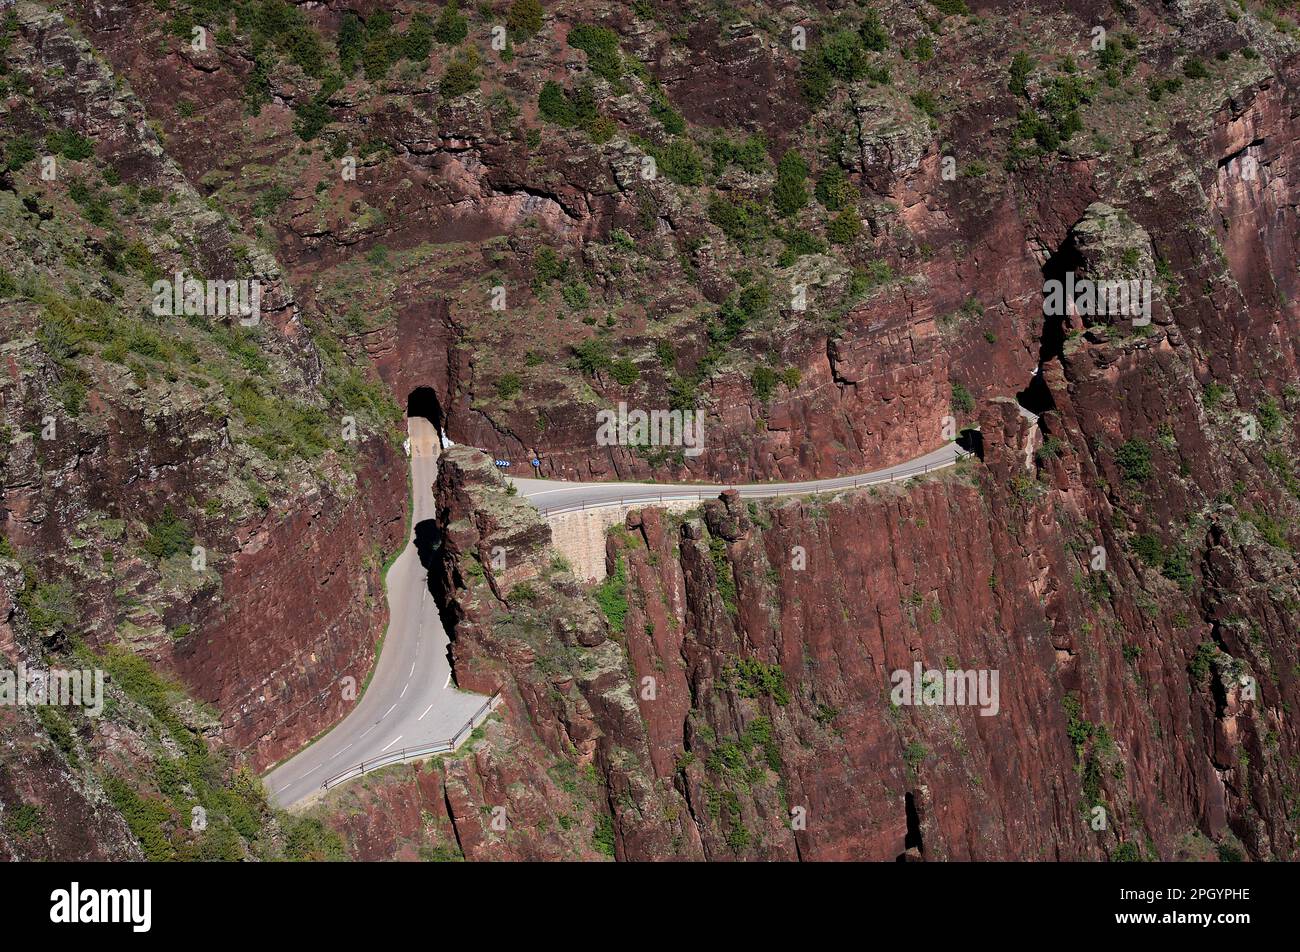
(553, 496)
(410, 700)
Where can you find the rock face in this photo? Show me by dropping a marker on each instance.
(764, 638)
(302, 609)
(836, 251)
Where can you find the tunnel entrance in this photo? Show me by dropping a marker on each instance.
(972, 441)
(423, 402)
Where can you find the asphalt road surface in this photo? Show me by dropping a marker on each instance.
(410, 700)
(552, 496)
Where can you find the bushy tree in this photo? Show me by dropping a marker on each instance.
(790, 195)
(451, 27)
(524, 19)
(844, 227)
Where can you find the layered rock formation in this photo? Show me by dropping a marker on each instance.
(836, 251)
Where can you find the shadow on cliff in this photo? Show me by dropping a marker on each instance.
(427, 541)
(1067, 259)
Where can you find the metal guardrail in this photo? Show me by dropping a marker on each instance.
(412, 753)
(757, 492)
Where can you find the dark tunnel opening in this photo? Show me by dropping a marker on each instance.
(972, 441)
(423, 402)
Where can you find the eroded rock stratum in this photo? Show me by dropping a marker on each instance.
(835, 250)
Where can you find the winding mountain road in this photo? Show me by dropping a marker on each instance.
(552, 497)
(410, 701)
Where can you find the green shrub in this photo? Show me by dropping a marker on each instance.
(915, 754)
(680, 162)
(168, 535)
(926, 101)
(460, 78)
(575, 294)
(312, 115)
(1018, 74)
(1269, 415)
(1148, 548)
(873, 33)
(842, 53)
(743, 222)
(24, 820)
(611, 596)
(951, 7)
(602, 838)
(548, 266)
(451, 27)
(601, 46)
(576, 109)
(508, 386)
(417, 41)
(672, 120)
(50, 606)
(844, 228)
(1177, 568)
(742, 307)
(60, 732)
(592, 355)
(725, 578)
(763, 381)
(624, 372)
(834, 190)
(799, 242)
(350, 42)
(524, 19)
(789, 195)
(751, 678)
(1203, 660)
(19, 151)
(145, 817)
(1272, 531)
(69, 144)
(1134, 460)
(750, 155)
(553, 105)
(962, 401)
